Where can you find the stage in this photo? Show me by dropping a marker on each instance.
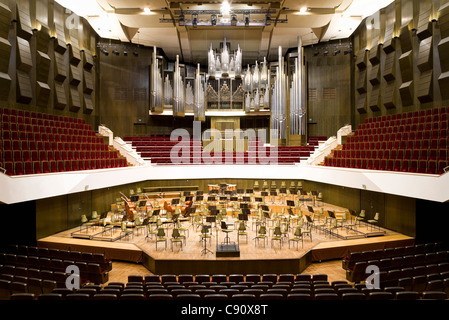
(243, 254)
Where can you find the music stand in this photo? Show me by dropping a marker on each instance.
(223, 198)
(204, 231)
(264, 193)
(211, 219)
(240, 191)
(234, 199)
(290, 203)
(210, 198)
(199, 193)
(249, 191)
(290, 212)
(310, 209)
(246, 199)
(189, 198)
(156, 212)
(174, 201)
(199, 198)
(243, 205)
(258, 199)
(186, 193)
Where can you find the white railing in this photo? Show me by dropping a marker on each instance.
(125, 149)
(343, 131)
(323, 150)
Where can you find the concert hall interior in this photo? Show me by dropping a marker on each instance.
(245, 149)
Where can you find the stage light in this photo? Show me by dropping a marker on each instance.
(181, 20)
(233, 20)
(267, 20)
(347, 51)
(213, 19)
(105, 52)
(326, 52)
(246, 21)
(195, 21)
(125, 53)
(336, 52)
(115, 52)
(316, 53)
(135, 53)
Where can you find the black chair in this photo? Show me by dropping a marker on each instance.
(299, 296)
(160, 296)
(215, 296)
(326, 296)
(77, 296)
(132, 296)
(243, 296)
(23, 296)
(189, 296)
(434, 295)
(380, 295)
(407, 295)
(50, 296)
(271, 296)
(104, 296)
(353, 296)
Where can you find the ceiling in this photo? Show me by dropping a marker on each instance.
(127, 21)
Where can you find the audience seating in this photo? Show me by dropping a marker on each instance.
(39, 143)
(158, 148)
(415, 142)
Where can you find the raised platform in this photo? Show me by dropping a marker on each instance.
(253, 257)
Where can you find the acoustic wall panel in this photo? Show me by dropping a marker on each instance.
(42, 94)
(361, 104)
(60, 73)
(60, 43)
(88, 61)
(405, 38)
(43, 39)
(60, 97)
(88, 105)
(24, 29)
(424, 28)
(374, 99)
(88, 85)
(389, 67)
(406, 93)
(388, 96)
(5, 55)
(361, 59)
(443, 81)
(374, 55)
(74, 52)
(406, 66)
(42, 66)
(425, 56)
(23, 61)
(74, 75)
(362, 82)
(75, 101)
(5, 20)
(425, 86)
(374, 75)
(443, 20)
(389, 42)
(5, 85)
(24, 91)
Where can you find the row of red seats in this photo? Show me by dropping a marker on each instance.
(401, 136)
(440, 143)
(55, 146)
(418, 121)
(39, 115)
(46, 155)
(399, 154)
(385, 127)
(21, 121)
(36, 136)
(414, 166)
(410, 114)
(38, 167)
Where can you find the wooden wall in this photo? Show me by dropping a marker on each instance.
(400, 55)
(47, 59)
(329, 88)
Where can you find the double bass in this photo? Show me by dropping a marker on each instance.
(130, 208)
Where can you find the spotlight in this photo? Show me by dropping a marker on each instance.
(105, 52)
(316, 53)
(326, 53)
(181, 20)
(233, 20)
(347, 51)
(246, 21)
(267, 20)
(195, 21)
(213, 19)
(336, 52)
(125, 53)
(115, 52)
(135, 53)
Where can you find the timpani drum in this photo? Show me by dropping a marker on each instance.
(213, 187)
(231, 187)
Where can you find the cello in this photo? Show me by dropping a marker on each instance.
(130, 208)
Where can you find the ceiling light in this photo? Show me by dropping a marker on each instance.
(303, 9)
(147, 11)
(181, 20)
(267, 19)
(225, 8)
(233, 20)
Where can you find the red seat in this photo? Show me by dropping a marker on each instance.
(37, 167)
(19, 168)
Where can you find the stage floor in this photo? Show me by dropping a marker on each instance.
(196, 256)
